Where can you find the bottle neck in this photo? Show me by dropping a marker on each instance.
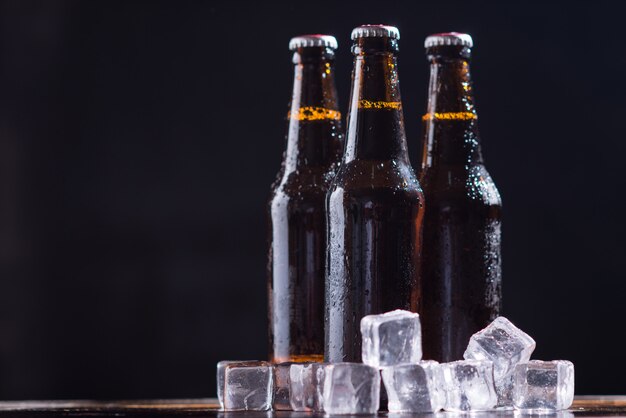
(375, 122)
(314, 117)
(451, 130)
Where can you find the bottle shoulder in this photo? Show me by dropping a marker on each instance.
(470, 183)
(367, 180)
(376, 174)
(305, 184)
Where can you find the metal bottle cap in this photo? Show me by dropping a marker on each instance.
(312, 40)
(449, 38)
(375, 31)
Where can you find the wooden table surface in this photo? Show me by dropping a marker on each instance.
(584, 406)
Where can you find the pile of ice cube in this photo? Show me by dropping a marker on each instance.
(496, 373)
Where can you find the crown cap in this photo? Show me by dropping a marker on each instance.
(305, 41)
(448, 38)
(375, 31)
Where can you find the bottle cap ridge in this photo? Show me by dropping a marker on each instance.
(304, 41)
(448, 38)
(375, 31)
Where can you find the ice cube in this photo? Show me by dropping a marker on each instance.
(220, 380)
(469, 385)
(543, 385)
(491, 413)
(281, 387)
(505, 345)
(242, 414)
(414, 387)
(351, 388)
(305, 389)
(502, 343)
(504, 390)
(391, 339)
(246, 385)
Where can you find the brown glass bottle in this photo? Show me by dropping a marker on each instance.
(297, 214)
(461, 275)
(375, 204)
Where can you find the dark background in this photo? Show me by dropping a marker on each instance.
(138, 142)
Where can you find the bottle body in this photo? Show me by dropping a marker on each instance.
(375, 207)
(375, 238)
(296, 266)
(297, 214)
(461, 271)
(461, 274)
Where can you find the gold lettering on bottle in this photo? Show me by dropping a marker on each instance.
(369, 104)
(315, 113)
(450, 116)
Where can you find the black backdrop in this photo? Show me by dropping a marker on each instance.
(138, 141)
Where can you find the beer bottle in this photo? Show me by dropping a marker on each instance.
(375, 204)
(297, 214)
(460, 280)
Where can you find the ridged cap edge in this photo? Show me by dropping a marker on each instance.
(375, 31)
(304, 41)
(448, 38)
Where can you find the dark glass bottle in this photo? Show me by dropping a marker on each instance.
(461, 275)
(375, 204)
(297, 214)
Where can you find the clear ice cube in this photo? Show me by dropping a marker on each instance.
(543, 385)
(245, 385)
(305, 389)
(220, 380)
(414, 388)
(281, 387)
(505, 346)
(469, 385)
(351, 388)
(391, 339)
(504, 390)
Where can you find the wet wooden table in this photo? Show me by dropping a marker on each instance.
(584, 406)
